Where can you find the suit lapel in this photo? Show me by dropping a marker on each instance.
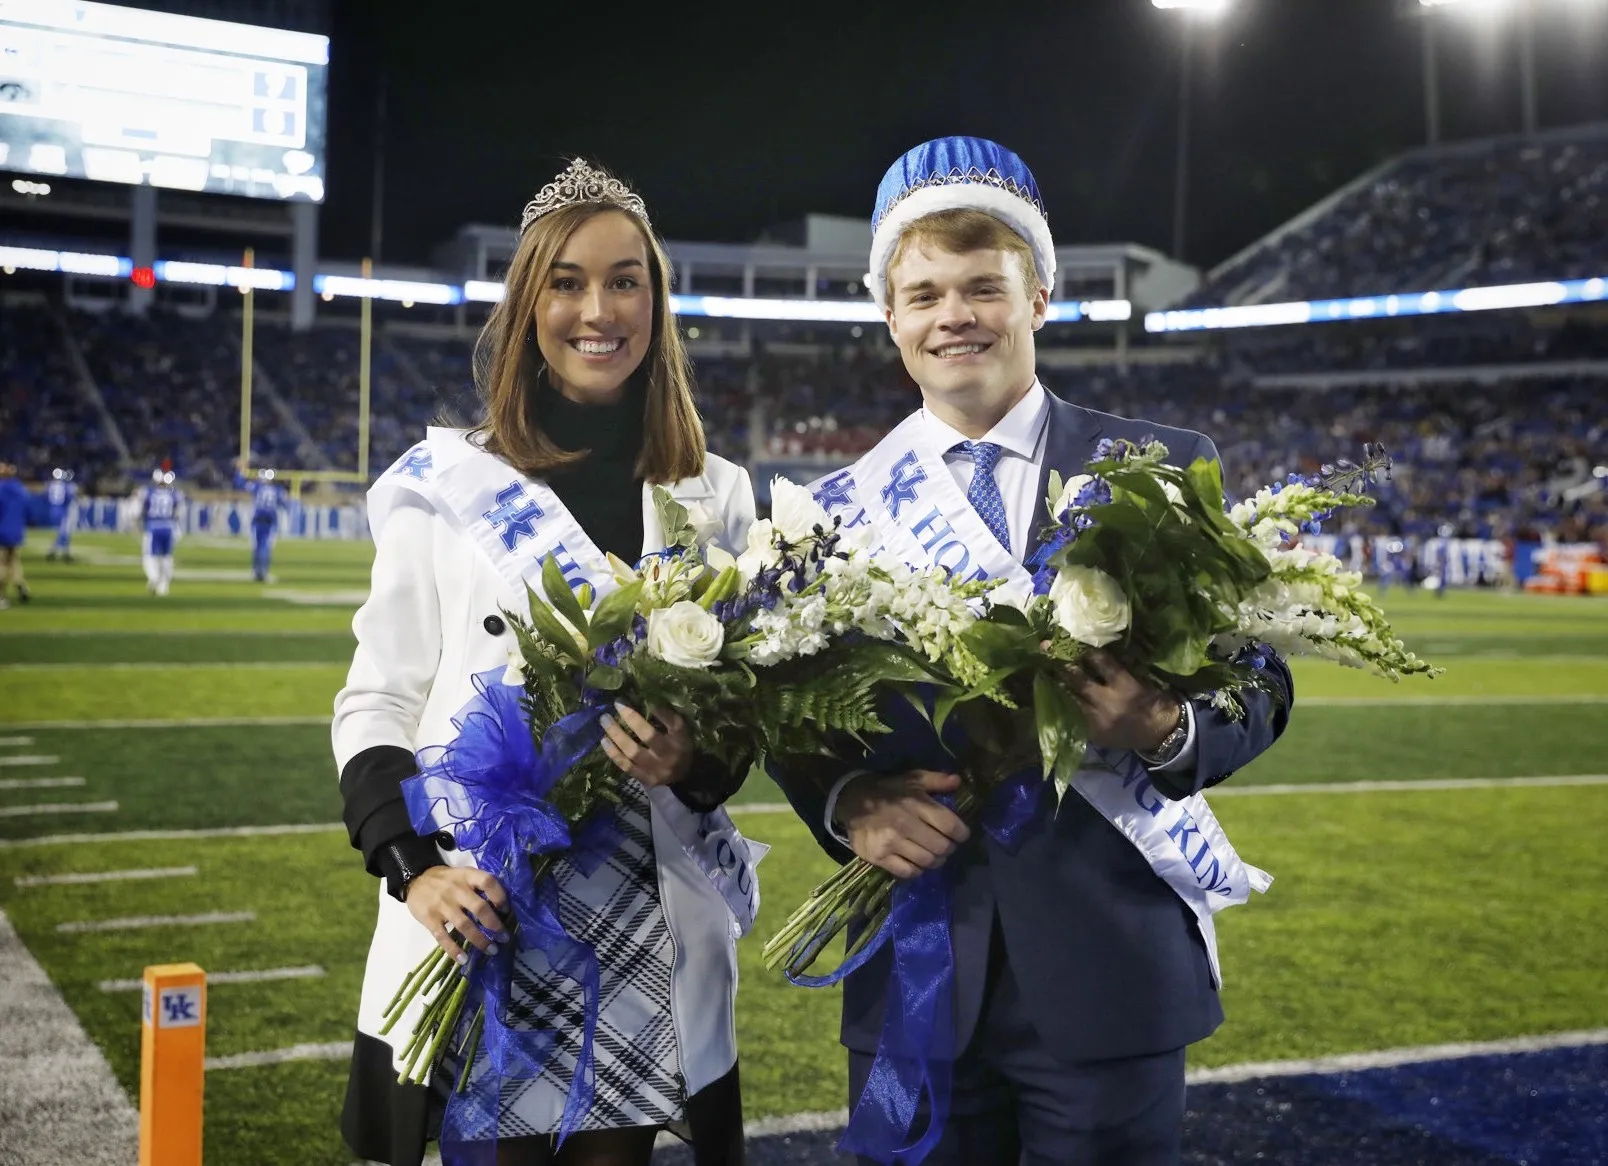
(1068, 445)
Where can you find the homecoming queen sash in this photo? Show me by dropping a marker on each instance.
(517, 522)
(909, 498)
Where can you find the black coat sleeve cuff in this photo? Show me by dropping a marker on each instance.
(709, 784)
(403, 859)
(373, 809)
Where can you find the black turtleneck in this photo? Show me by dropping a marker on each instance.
(602, 490)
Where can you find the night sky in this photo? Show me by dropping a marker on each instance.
(730, 118)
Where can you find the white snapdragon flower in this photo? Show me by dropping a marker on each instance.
(794, 510)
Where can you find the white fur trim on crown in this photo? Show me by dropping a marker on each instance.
(1014, 211)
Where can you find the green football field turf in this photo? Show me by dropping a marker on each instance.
(1399, 917)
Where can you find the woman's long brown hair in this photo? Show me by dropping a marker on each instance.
(508, 364)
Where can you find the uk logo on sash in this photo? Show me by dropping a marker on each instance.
(835, 492)
(902, 482)
(417, 464)
(514, 515)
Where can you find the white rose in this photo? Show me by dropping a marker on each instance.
(794, 510)
(1174, 494)
(1089, 605)
(1074, 487)
(685, 634)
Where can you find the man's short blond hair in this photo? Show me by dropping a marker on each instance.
(963, 230)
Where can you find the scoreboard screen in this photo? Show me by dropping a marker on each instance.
(118, 94)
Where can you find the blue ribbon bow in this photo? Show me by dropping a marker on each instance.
(489, 790)
(915, 1055)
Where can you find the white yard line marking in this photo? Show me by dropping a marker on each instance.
(103, 876)
(335, 1051)
(1446, 701)
(1390, 787)
(1318, 787)
(58, 808)
(178, 665)
(169, 835)
(137, 922)
(29, 759)
(182, 723)
(836, 1119)
(1389, 1058)
(15, 742)
(1303, 702)
(41, 782)
(231, 633)
(309, 972)
(61, 1100)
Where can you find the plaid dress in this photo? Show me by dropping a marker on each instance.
(617, 910)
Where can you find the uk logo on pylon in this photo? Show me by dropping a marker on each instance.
(181, 1008)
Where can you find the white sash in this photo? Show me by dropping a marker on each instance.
(909, 497)
(517, 522)
(908, 494)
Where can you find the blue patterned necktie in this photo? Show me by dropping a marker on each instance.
(984, 493)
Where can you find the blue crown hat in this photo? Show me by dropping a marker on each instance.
(954, 174)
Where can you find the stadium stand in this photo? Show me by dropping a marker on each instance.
(1494, 211)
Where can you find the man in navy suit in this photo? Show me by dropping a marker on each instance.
(1080, 974)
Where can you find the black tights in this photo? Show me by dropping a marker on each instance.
(627, 1147)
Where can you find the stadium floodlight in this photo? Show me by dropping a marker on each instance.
(1204, 7)
(1209, 10)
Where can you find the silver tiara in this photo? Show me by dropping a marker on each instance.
(581, 182)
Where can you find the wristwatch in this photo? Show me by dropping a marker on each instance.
(1173, 743)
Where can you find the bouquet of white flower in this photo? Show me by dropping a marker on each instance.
(783, 651)
(1141, 560)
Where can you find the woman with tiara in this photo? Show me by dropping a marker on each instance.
(588, 405)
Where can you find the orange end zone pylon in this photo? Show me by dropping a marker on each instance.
(173, 1043)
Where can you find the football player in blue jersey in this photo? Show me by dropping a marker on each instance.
(267, 500)
(161, 506)
(13, 532)
(62, 494)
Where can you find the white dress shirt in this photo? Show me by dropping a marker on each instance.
(1022, 436)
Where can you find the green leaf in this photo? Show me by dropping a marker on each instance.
(999, 645)
(1184, 655)
(559, 593)
(1140, 485)
(558, 637)
(1050, 715)
(1207, 479)
(723, 586)
(1056, 486)
(613, 615)
(1005, 614)
(605, 677)
(672, 519)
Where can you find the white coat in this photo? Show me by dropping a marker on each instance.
(421, 636)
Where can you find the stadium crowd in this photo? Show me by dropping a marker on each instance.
(1493, 212)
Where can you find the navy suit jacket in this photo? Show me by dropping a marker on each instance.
(1105, 955)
